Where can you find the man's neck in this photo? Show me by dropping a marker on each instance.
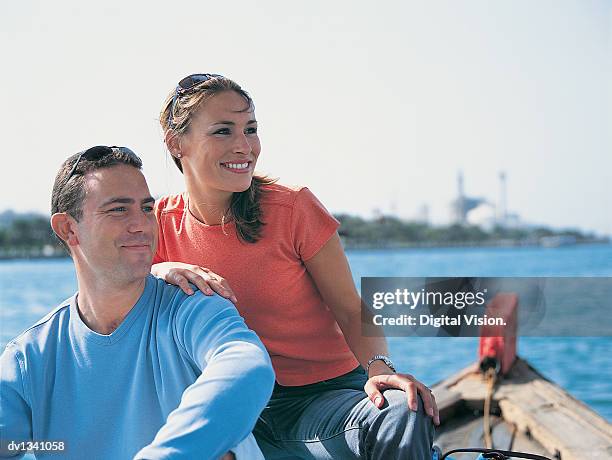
(104, 305)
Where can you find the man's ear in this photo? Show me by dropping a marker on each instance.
(64, 227)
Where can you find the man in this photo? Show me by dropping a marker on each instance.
(129, 367)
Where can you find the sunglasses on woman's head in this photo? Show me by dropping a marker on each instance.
(185, 85)
(191, 80)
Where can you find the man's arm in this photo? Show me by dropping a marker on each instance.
(15, 413)
(221, 407)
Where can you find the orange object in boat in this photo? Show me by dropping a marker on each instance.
(499, 342)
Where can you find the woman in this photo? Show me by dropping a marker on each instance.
(280, 250)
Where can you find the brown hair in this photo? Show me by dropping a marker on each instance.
(175, 117)
(69, 186)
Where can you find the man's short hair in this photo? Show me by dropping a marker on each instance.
(69, 186)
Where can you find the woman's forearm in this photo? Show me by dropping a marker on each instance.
(331, 274)
(363, 346)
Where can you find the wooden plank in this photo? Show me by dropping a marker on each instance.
(466, 430)
(449, 402)
(558, 432)
(503, 436)
(554, 418)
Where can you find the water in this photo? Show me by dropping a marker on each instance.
(583, 366)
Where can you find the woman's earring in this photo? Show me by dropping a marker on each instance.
(179, 155)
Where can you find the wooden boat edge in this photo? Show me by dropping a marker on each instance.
(566, 427)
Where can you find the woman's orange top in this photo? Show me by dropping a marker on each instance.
(276, 296)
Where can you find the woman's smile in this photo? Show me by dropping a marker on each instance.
(237, 167)
(221, 148)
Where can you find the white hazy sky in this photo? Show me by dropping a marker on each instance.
(370, 104)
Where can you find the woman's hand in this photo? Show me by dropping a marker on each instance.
(181, 274)
(407, 383)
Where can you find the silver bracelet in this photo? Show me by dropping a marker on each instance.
(384, 359)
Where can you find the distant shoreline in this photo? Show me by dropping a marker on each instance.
(31, 237)
(390, 246)
(469, 244)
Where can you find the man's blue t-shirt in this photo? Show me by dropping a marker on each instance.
(181, 377)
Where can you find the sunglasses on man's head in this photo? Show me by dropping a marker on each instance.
(186, 84)
(96, 153)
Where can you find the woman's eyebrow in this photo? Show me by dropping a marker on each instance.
(231, 123)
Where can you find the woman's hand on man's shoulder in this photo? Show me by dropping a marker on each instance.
(181, 274)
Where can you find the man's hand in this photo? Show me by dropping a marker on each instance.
(228, 456)
(407, 383)
(181, 274)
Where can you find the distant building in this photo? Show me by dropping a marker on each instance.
(422, 215)
(462, 205)
(484, 216)
(502, 217)
(478, 211)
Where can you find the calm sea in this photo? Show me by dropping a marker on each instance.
(583, 366)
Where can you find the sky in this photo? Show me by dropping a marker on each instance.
(375, 107)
